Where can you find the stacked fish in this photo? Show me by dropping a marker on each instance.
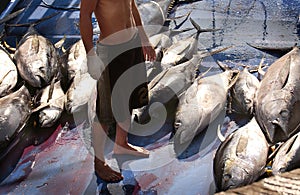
(38, 80)
(243, 157)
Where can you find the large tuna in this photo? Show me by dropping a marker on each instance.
(278, 98)
(36, 59)
(8, 73)
(54, 95)
(203, 101)
(288, 156)
(14, 112)
(241, 158)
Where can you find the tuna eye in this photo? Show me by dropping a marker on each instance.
(227, 177)
(284, 113)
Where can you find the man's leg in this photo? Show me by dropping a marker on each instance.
(121, 142)
(98, 142)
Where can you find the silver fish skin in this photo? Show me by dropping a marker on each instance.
(48, 116)
(152, 17)
(241, 158)
(288, 156)
(14, 112)
(36, 59)
(82, 91)
(76, 60)
(243, 92)
(202, 102)
(277, 105)
(184, 49)
(166, 87)
(8, 73)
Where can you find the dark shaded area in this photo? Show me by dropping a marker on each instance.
(3, 5)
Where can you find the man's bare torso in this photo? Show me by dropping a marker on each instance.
(116, 20)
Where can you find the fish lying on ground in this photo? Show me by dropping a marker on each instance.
(183, 50)
(288, 156)
(54, 94)
(36, 59)
(277, 104)
(168, 85)
(14, 112)
(243, 92)
(202, 102)
(8, 73)
(75, 60)
(82, 91)
(241, 158)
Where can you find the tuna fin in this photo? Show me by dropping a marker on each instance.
(223, 66)
(60, 43)
(199, 29)
(220, 136)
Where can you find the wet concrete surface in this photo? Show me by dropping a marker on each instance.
(63, 163)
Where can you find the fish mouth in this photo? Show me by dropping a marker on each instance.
(277, 132)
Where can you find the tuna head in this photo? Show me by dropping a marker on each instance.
(243, 92)
(235, 174)
(288, 156)
(49, 116)
(279, 115)
(186, 127)
(36, 60)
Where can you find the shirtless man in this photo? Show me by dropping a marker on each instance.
(119, 22)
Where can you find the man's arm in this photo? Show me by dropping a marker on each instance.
(87, 8)
(149, 52)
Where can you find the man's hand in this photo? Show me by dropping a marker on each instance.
(94, 64)
(149, 52)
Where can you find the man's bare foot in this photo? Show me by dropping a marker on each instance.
(105, 172)
(131, 150)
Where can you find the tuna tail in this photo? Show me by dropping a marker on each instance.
(199, 29)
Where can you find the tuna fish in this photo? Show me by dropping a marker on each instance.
(152, 16)
(288, 156)
(203, 101)
(74, 61)
(36, 59)
(82, 91)
(8, 73)
(53, 94)
(241, 158)
(14, 112)
(183, 50)
(167, 86)
(243, 92)
(278, 98)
